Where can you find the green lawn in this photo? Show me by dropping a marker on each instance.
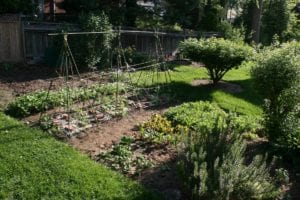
(246, 102)
(35, 166)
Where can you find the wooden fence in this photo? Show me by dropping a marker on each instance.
(11, 43)
(30, 42)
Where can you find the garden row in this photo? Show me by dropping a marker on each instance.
(45, 100)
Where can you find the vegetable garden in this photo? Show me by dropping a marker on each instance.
(148, 121)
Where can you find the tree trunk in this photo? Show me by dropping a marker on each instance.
(256, 21)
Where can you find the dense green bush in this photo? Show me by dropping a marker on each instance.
(230, 32)
(213, 166)
(94, 49)
(133, 57)
(218, 55)
(277, 78)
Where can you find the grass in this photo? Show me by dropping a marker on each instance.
(247, 102)
(36, 166)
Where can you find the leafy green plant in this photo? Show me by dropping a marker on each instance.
(277, 78)
(282, 176)
(134, 57)
(213, 166)
(160, 130)
(46, 124)
(203, 115)
(122, 158)
(93, 50)
(42, 100)
(218, 55)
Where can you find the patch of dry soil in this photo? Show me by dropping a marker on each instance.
(100, 138)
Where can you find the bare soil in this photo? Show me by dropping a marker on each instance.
(225, 86)
(100, 138)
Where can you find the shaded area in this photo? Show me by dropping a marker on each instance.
(248, 97)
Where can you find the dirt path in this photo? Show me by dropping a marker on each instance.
(101, 138)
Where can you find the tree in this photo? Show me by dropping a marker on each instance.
(198, 14)
(120, 12)
(275, 19)
(218, 55)
(17, 6)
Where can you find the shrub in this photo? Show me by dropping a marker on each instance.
(213, 166)
(93, 50)
(133, 57)
(218, 55)
(277, 78)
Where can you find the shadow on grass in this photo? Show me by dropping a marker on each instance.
(185, 92)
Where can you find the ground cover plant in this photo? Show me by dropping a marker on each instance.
(218, 55)
(122, 157)
(34, 166)
(205, 116)
(161, 130)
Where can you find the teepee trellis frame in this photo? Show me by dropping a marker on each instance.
(68, 66)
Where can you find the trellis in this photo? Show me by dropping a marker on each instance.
(68, 68)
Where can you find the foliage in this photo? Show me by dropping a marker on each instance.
(160, 130)
(205, 116)
(277, 76)
(293, 28)
(232, 33)
(36, 166)
(133, 57)
(17, 6)
(213, 166)
(196, 14)
(218, 55)
(275, 19)
(122, 158)
(93, 50)
(250, 136)
(42, 100)
(120, 12)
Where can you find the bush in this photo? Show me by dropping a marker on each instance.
(218, 55)
(277, 78)
(133, 57)
(213, 166)
(232, 33)
(93, 50)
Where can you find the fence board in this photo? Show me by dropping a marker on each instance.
(11, 47)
